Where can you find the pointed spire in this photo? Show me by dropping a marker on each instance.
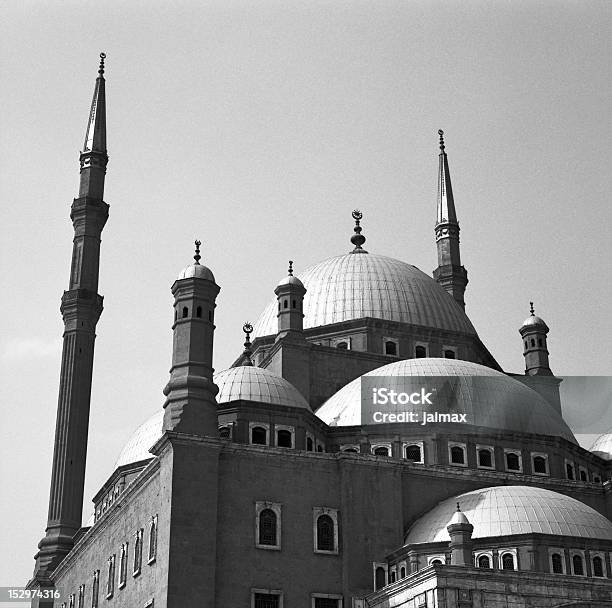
(358, 239)
(247, 328)
(446, 202)
(197, 257)
(95, 137)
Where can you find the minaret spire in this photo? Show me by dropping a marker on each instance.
(81, 308)
(449, 273)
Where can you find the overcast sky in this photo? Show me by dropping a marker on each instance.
(258, 127)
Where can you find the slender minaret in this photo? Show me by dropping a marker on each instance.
(449, 273)
(81, 308)
(190, 405)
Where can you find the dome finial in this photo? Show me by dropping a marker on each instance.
(531, 310)
(358, 239)
(290, 268)
(247, 328)
(197, 257)
(441, 134)
(101, 68)
(458, 507)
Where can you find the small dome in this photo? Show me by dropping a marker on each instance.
(494, 401)
(196, 271)
(458, 518)
(533, 320)
(603, 446)
(510, 510)
(257, 384)
(290, 280)
(246, 383)
(369, 285)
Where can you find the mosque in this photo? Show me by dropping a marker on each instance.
(271, 484)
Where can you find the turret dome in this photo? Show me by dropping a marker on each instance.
(603, 446)
(196, 271)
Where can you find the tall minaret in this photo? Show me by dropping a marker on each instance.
(81, 307)
(449, 273)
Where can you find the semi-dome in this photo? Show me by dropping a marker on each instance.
(603, 446)
(236, 383)
(510, 510)
(488, 398)
(368, 285)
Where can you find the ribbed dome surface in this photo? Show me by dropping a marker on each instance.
(509, 510)
(488, 397)
(354, 286)
(246, 383)
(603, 446)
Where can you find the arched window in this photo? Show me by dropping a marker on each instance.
(110, 581)
(309, 444)
(285, 303)
(175, 315)
(259, 435)
(596, 479)
(598, 566)
(199, 312)
(457, 455)
(402, 572)
(513, 462)
(319, 448)
(539, 464)
(185, 312)
(436, 562)
(484, 561)
(539, 341)
(557, 563)
(583, 475)
(224, 432)
(392, 576)
(267, 527)
(526, 344)
(413, 452)
(390, 348)
(449, 354)
(381, 450)
(569, 469)
(420, 352)
(123, 559)
(293, 304)
(284, 439)
(532, 342)
(325, 533)
(578, 565)
(350, 450)
(508, 561)
(380, 577)
(342, 345)
(485, 458)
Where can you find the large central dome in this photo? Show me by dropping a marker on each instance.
(353, 286)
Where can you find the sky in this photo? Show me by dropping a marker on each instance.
(258, 127)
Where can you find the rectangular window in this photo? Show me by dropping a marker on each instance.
(123, 565)
(264, 598)
(137, 551)
(152, 540)
(326, 602)
(110, 582)
(95, 589)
